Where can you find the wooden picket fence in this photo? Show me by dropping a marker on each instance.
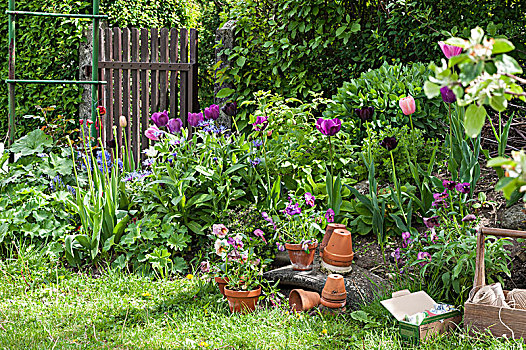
(146, 71)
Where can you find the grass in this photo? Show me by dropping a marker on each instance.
(46, 306)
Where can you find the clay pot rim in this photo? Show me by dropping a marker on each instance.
(342, 231)
(297, 246)
(333, 305)
(336, 263)
(242, 293)
(337, 257)
(336, 226)
(221, 279)
(335, 296)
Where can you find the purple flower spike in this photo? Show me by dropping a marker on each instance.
(212, 112)
(160, 118)
(309, 199)
(328, 127)
(463, 187)
(448, 96)
(175, 125)
(396, 254)
(449, 50)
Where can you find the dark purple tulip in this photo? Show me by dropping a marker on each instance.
(328, 127)
(449, 185)
(230, 109)
(365, 113)
(195, 118)
(212, 112)
(389, 143)
(160, 118)
(448, 95)
(175, 125)
(463, 187)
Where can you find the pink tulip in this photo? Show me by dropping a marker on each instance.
(449, 50)
(408, 105)
(153, 133)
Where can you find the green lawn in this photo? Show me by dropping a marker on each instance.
(50, 307)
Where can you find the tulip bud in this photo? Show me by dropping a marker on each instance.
(122, 121)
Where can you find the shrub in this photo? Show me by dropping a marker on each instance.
(382, 88)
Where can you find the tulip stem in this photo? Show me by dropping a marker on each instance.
(397, 188)
(332, 161)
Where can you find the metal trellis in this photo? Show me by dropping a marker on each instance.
(12, 81)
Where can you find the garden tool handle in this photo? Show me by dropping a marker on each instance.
(480, 273)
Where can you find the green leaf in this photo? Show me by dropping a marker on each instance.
(32, 143)
(340, 30)
(241, 61)
(474, 120)
(195, 227)
(507, 64)
(431, 89)
(502, 45)
(498, 103)
(456, 42)
(225, 92)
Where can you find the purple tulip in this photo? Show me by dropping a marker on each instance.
(230, 109)
(175, 125)
(329, 215)
(328, 127)
(463, 187)
(448, 96)
(449, 50)
(212, 112)
(195, 118)
(160, 118)
(432, 221)
(389, 143)
(449, 185)
(365, 113)
(309, 199)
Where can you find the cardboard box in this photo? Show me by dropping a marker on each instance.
(406, 303)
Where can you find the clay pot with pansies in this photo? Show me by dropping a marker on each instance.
(303, 300)
(338, 251)
(242, 301)
(334, 294)
(221, 283)
(301, 259)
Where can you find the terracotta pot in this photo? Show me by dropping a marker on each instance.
(334, 294)
(338, 251)
(302, 300)
(221, 283)
(328, 233)
(242, 301)
(301, 261)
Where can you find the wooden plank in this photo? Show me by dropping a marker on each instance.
(154, 74)
(108, 74)
(145, 65)
(102, 87)
(500, 232)
(193, 102)
(183, 95)
(498, 320)
(174, 56)
(117, 91)
(163, 75)
(126, 88)
(145, 92)
(135, 102)
(480, 277)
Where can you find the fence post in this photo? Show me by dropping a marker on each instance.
(225, 38)
(85, 68)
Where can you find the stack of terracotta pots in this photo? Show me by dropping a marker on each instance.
(336, 249)
(334, 294)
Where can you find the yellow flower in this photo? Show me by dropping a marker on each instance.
(324, 331)
(146, 294)
(189, 276)
(203, 344)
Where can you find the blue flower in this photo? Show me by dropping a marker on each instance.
(71, 189)
(255, 162)
(257, 143)
(148, 162)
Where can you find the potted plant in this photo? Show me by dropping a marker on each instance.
(299, 229)
(238, 270)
